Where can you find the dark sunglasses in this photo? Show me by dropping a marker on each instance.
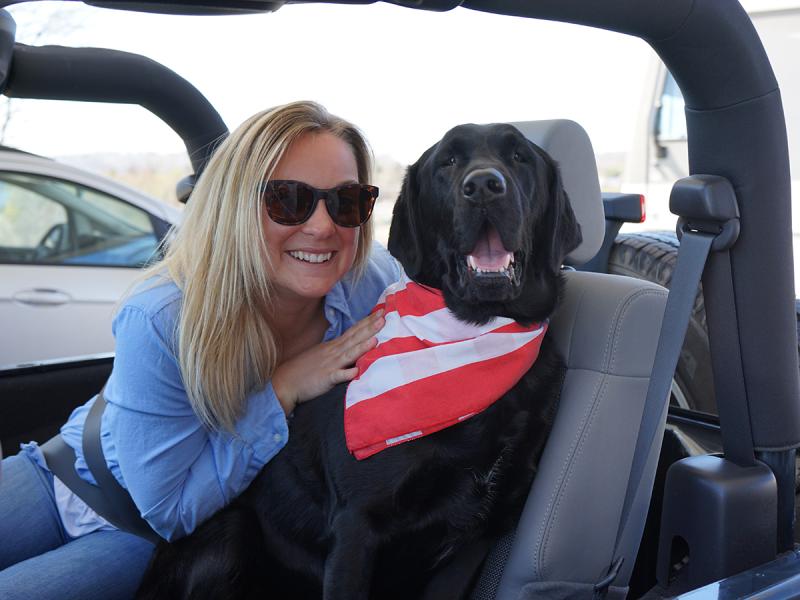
(293, 202)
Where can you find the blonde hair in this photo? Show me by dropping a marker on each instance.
(227, 345)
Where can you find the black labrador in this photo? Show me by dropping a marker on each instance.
(415, 519)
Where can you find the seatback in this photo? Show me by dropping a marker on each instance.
(606, 329)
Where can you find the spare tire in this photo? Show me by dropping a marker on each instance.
(652, 256)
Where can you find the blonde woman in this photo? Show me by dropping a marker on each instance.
(260, 303)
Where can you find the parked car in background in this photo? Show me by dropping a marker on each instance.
(659, 152)
(71, 243)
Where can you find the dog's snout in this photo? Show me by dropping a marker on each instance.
(483, 184)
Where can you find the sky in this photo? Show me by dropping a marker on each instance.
(403, 76)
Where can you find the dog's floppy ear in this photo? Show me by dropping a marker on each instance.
(560, 220)
(404, 234)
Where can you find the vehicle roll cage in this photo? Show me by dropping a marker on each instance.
(735, 124)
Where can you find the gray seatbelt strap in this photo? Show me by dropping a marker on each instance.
(692, 255)
(127, 513)
(108, 498)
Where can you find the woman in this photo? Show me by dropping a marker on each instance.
(259, 304)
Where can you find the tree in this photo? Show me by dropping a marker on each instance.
(34, 24)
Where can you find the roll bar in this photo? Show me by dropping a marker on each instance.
(103, 75)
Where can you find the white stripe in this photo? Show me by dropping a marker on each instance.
(438, 326)
(395, 370)
(404, 437)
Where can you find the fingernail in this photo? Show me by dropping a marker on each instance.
(379, 313)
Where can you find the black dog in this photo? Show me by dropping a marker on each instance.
(413, 520)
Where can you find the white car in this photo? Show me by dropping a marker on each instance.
(71, 243)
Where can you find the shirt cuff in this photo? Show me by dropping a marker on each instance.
(264, 429)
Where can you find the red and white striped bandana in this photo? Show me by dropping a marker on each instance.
(430, 370)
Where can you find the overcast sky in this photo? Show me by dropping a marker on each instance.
(403, 76)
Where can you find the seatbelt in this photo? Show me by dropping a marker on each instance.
(108, 498)
(692, 255)
(708, 220)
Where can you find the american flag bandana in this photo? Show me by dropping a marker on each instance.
(430, 370)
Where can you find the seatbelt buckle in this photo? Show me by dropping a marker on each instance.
(601, 587)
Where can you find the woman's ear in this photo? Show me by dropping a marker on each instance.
(404, 235)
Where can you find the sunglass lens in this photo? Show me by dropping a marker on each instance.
(352, 204)
(288, 203)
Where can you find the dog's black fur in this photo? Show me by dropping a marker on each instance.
(387, 526)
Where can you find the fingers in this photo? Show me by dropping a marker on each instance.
(355, 351)
(358, 339)
(334, 360)
(343, 375)
(366, 327)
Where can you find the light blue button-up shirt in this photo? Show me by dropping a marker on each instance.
(177, 471)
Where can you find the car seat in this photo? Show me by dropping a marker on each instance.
(607, 330)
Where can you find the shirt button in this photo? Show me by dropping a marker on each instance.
(277, 437)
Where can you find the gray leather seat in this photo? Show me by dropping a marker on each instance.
(607, 330)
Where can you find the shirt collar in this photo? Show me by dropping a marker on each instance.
(337, 311)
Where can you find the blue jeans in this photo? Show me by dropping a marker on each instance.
(40, 561)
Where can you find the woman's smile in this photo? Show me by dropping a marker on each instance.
(311, 256)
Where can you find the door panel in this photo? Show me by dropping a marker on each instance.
(68, 253)
(45, 329)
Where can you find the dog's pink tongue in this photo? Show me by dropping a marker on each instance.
(489, 253)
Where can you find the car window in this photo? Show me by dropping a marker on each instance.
(671, 117)
(51, 221)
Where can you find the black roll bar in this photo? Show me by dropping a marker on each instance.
(102, 75)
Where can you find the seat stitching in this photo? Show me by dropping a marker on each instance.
(577, 446)
(637, 295)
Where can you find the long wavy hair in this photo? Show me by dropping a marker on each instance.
(227, 346)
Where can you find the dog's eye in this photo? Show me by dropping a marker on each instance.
(518, 157)
(451, 160)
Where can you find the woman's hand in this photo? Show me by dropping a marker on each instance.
(315, 371)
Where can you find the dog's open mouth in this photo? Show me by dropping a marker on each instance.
(490, 259)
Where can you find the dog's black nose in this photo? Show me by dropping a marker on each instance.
(483, 184)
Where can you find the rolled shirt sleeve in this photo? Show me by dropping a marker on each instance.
(177, 471)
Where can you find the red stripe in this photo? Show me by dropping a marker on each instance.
(415, 300)
(402, 345)
(423, 404)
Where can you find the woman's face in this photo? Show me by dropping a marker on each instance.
(323, 161)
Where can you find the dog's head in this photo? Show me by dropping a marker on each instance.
(483, 216)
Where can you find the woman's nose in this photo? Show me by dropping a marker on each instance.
(319, 223)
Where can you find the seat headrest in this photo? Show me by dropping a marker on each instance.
(569, 145)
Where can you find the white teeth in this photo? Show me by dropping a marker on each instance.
(503, 269)
(311, 258)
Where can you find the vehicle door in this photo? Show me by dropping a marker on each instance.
(68, 253)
